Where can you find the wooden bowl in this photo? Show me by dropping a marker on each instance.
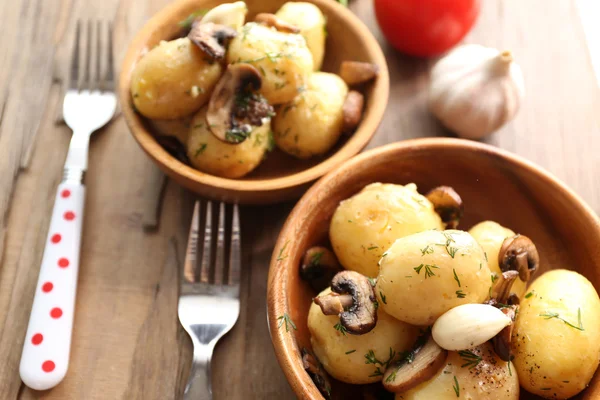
(493, 183)
(280, 177)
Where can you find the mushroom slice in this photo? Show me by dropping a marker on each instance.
(518, 253)
(211, 38)
(235, 106)
(448, 204)
(355, 72)
(316, 372)
(352, 110)
(319, 265)
(361, 316)
(275, 22)
(502, 341)
(333, 303)
(420, 364)
(502, 287)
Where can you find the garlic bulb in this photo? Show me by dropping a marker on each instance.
(475, 90)
(232, 15)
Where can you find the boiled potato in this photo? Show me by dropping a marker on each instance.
(423, 275)
(364, 226)
(209, 154)
(464, 377)
(312, 123)
(556, 339)
(173, 80)
(283, 59)
(343, 356)
(311, 22)
(490, 236)
(177, 128)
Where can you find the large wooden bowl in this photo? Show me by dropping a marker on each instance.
(494, 184)
(280, 177)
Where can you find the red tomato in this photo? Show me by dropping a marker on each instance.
(425, 27)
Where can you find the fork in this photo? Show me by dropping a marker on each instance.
(209, 301)
(89, 104)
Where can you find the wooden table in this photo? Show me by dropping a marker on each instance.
(127, 342)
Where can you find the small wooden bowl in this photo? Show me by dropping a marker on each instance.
(280, 177)
(493, 184)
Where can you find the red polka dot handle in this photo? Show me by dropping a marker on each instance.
(47, 345)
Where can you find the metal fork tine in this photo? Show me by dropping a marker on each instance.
(235, 256)
(110, 71)
(74, 71)
(85, 85)
(207, 249)
(191, 253)
(220, 272)
(99, 54)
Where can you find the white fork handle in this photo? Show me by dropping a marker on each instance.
(47, 344)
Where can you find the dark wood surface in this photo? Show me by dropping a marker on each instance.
(127, 343)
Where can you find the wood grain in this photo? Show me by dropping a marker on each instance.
(120, 315)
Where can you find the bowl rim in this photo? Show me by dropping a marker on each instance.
(367, 128)
(285, 347)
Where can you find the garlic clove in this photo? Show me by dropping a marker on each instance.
(232, 15)
(468, 325)
(474, 90)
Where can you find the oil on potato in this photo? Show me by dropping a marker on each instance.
(209, 154)
(364, 226)
(173, 80)
(311, 22)
(344, 356)
(283, 60)
(464, 377)
(423, 275)
(490, 236)
(556, 340)
(312, 123)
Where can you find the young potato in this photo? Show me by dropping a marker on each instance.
(283, 59)
(312, 123)
(490, 236)
(465, 377)
(173, 80)
(366, 224)
(311, 22)
(423, 275)
(177, 128)
(556, 339)
(209, 154)
(344, 356)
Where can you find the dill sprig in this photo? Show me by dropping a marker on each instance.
(382, 365)
(316, 258)
(383, 298)
(285, 318)
(456, 277)
(280, 256)
(341, 328)
(428, 272)
(471, 359)
(456, 387)
(460, 294)
(550, 315)
(426, 250)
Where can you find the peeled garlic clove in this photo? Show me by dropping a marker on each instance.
(474, 90)
(232, 15)
(468, 325)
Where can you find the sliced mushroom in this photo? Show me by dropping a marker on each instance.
(360, 316)
(502, 287)
(211, 38)
(502, 341)
(235, 106)
(448, 204)
(275, 22)
(422, 363)
(356, 72)
(518, 253)
(319, 266)
(352, 110)
(316, 372)
(513, 300)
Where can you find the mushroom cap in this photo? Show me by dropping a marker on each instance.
(502, 341)
(518, 253)
(361, 317)
(319, 265)
(211, 38)
(448, 204)
(352, 110)
(238, 80)
(356, 72)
